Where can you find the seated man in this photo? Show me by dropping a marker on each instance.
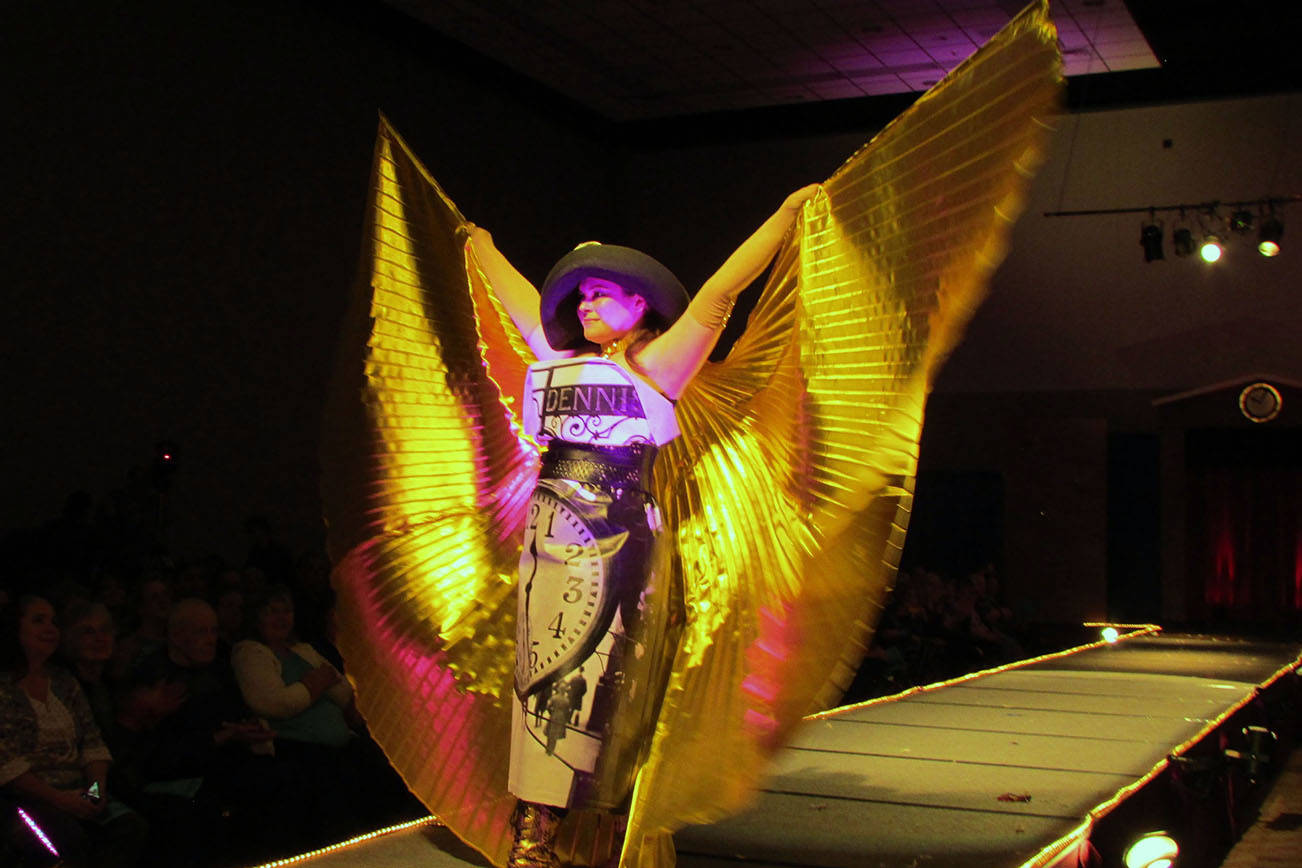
(208, 748)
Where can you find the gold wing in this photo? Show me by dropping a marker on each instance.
(427, 479)
(790, 488)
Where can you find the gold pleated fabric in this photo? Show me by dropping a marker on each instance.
(427, 478)
(789, 491)
(786, 497)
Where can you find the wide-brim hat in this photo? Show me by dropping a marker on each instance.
(633, 270)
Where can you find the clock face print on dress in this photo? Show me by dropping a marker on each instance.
(567, 604)
(593, 623)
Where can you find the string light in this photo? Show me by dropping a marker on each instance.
(1136, 630)
(1050, 852)
(352, 842)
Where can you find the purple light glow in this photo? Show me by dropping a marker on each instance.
(38, 832)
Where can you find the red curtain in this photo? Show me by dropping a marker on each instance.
(1246, 545)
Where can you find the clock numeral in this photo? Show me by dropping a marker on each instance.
(533, 657)
(533, 516)
(551, 520)
(575, 590)
(572, 552)
(557, 625)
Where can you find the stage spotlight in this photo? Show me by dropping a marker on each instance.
(1241, 221)
(1182, 241)
(1211, 248)
(1110, 634)
(1268, 235)
(1150, 238)
(1154, 850)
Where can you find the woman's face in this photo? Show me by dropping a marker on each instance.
(276, 621)
(606, 312)
(38, 635)
(90, 639)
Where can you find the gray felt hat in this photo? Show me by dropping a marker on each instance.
(632, 269)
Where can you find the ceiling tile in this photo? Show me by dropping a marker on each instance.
(874, 85)
(903, 59)
(600, 52)
(952, 55)
(862, 63)
(921, 80)
(836, 90)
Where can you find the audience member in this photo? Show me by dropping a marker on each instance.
(88, 639)
(185, 827)
(111, 590)
(338, 773)
(53, 760)
(210, 749)
(218, 786)
(152, 603)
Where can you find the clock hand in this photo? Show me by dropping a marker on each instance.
(533, 554)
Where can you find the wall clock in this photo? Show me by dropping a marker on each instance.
(1260, 402)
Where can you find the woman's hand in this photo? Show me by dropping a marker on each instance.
(672, 359)
(79, 804)
(796, 200)
(320, 679)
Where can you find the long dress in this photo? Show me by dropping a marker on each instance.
(595, 608)
(786, 496)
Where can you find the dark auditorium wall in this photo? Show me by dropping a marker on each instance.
(184, 186)
(1079, 337)
(184, 200)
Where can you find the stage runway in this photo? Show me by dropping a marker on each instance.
(998, 770)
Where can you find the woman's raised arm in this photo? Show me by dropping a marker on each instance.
(673, 358)
(513, 290)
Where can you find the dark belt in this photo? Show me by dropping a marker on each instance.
(607, 466)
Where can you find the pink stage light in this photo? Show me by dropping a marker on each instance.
(38, 832)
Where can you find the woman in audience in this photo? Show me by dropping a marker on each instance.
(302, 696)
(88, 638)
(53, 762)
(152, 604)
(309, 705)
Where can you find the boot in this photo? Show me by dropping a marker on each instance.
(534, 845)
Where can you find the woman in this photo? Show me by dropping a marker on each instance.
(88, 641)
(152, 601)
(596, 619)
(53, 761)
(309, 706)
(302, 696)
